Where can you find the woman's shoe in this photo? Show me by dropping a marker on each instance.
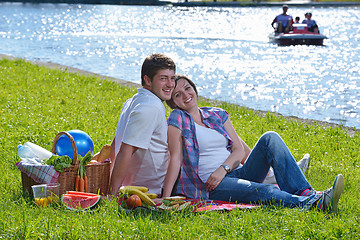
(304, 163)
(330, 197)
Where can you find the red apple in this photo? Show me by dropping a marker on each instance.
(133, 201)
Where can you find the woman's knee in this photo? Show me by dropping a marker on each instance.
(270, 135)
(270, 138)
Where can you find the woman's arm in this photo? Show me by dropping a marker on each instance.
(247, 150)
(239, 154)
(176, 158)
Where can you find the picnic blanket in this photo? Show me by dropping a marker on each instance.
(199, 206)
(39, 173)
(212, 205)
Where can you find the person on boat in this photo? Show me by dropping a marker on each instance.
(208, 160)
(284, 21)
(312, 26)
(297, 20)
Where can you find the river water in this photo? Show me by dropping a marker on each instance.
(225, 51)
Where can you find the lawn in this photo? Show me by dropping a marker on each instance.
(38, 102)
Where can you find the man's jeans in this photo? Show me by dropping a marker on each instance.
(244, 185)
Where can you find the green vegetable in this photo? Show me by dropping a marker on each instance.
(60, 163)
(83, 161)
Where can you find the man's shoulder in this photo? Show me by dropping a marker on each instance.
(145, 102)
(146, 108)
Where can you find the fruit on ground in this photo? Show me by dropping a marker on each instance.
(77, 201)
(133, 201)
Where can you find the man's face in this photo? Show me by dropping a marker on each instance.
(162, 84)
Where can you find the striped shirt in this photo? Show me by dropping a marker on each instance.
(189, 183)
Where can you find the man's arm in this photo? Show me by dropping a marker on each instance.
(121, 165)
(274, 21)
(176, 159)
(112, 156)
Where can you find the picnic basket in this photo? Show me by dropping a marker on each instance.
(98, 174)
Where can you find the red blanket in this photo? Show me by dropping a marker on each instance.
(204, 205)
(211, 205)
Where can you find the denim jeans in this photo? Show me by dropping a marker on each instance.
(245, 185)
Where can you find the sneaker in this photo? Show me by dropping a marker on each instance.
(304, 163)
(270, 177)
(330, 197)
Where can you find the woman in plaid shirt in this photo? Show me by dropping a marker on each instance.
(209, 161)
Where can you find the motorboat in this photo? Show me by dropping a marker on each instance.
(300, 35)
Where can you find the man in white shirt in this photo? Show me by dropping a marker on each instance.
(139, 149)
(284, 21)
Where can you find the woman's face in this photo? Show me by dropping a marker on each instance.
(184, 95)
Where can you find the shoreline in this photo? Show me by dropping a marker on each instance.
(352, 130)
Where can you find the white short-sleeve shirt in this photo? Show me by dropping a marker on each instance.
(143, 124)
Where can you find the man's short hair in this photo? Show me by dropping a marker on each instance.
(153, 64)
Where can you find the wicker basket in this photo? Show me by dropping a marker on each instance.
(98, 174)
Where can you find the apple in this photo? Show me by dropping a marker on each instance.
(133, 201)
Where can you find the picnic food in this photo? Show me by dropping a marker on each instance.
(144, 198)
(103, 154)
(81, 182)
(140, 188)
(176, 203)
(43, 202)
(79, 201)
(60, 163)
(93, 161)
(133, 201)
(151, 195)
(141, 192)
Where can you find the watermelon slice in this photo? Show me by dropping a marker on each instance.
(81, 193)
(79, 201)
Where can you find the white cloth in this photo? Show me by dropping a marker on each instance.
(213, 152)
(143, 124)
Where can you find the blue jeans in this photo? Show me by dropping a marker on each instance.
(245, 184)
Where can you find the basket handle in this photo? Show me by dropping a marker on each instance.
(75, 151)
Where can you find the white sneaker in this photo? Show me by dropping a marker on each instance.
(270, 177)
(304, 163)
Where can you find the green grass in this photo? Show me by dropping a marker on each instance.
(37, 102)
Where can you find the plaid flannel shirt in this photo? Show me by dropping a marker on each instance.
(189, 183)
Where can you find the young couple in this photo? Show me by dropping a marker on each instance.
(207, 159)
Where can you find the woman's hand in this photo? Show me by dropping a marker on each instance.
(215, 178)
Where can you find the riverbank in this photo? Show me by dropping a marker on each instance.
(37, 102)
(352, 131)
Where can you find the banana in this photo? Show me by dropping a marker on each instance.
(151, 195)
(141, 195)
(140, 188)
